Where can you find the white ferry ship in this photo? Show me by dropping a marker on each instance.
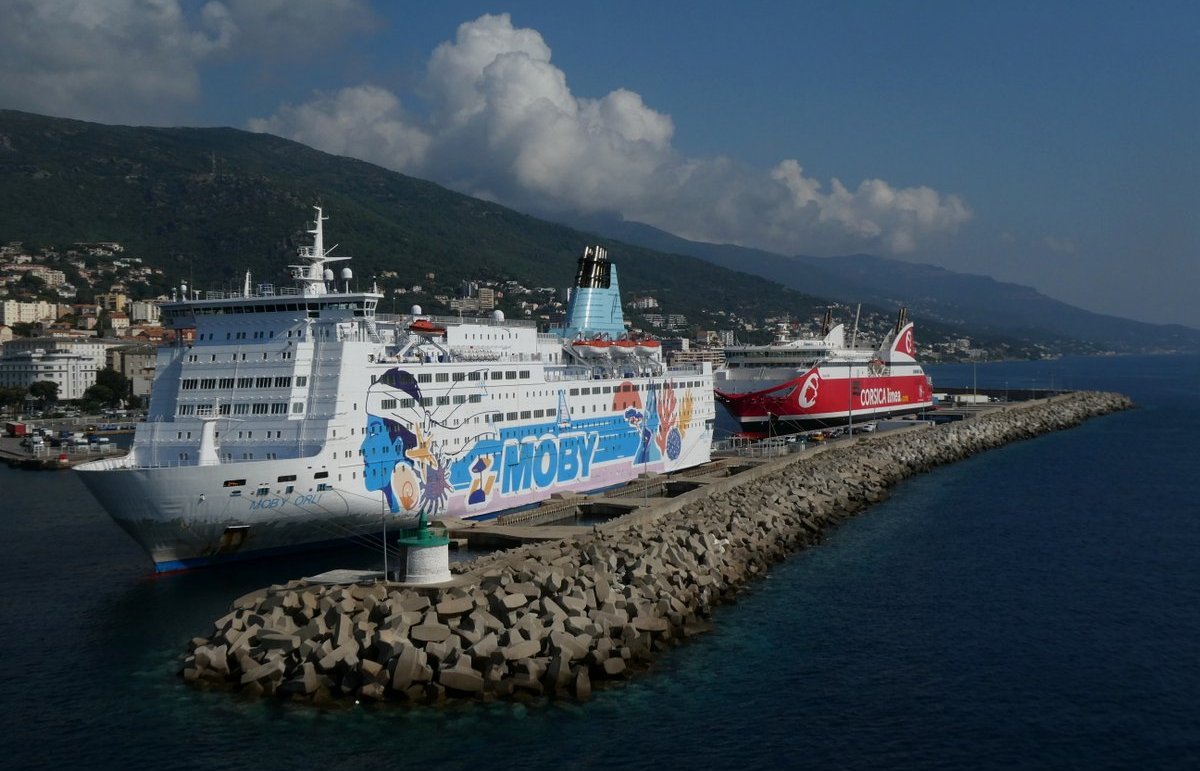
(289, 418)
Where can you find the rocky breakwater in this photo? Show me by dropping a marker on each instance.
(552, 619)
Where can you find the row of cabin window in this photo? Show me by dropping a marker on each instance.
(260, 335)
(273, 408)
(475, 376)
(225, 383)
(430, 401)
(212, 357)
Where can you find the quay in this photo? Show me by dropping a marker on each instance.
(53, 458)
(549, 618)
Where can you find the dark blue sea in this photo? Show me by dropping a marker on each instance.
(1037, 606)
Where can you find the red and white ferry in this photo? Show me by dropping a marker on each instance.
(802, 384)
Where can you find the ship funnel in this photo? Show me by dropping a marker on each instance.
(595, 305)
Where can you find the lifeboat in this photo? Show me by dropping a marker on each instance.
(648, 347)
(426, 328)
(591, 348)
(624, 348)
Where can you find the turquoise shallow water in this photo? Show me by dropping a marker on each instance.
(1036, 606)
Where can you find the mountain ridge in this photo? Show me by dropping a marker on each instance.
(194, 200)
(961, 299)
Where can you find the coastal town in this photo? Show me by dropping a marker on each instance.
(69, 315)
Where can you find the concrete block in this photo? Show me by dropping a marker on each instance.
(372, 670)
(575, 605)
(522, 650)
(558, 674)
(614, 666)
(414, 602)
(485, 646)
(525, 588)
(568, 645)
(427, 633)
(439, 653)
(461, 679)
(552, 608)
(455, 607)
(408, 669)
(279, 641)
(271, 671)
(582, 687)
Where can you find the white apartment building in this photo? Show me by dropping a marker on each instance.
(15, 312)
(74, 373)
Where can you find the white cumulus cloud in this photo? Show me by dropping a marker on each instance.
(501, 122)
(137, 61)
(364, 122)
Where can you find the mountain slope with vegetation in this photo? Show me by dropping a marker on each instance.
(205, 205)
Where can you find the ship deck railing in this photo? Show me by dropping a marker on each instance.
(487, 321)
(260, 291)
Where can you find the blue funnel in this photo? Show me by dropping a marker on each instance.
(595, 306)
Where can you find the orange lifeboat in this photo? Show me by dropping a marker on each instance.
(648, 347)
(426, 328)
(624, 348)
(591, 348)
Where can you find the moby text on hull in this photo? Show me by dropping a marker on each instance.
(290, 417)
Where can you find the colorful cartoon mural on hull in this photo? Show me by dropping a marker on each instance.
(406, 455)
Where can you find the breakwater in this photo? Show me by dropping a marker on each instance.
(550, 619)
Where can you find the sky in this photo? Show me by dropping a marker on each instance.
(1051, 144)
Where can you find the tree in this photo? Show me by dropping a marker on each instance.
(44, 390)
(12, 398)
(102, 395)
(117, 384)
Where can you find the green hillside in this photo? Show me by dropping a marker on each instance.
(211, 203)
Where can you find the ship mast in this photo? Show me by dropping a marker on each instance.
(312, 274)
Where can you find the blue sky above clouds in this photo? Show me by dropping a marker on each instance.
(1052, 144)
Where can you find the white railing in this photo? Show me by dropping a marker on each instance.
(260, 291)
(487, 321)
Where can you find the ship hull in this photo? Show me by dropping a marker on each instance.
(188, 516)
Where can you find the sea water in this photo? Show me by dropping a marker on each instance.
(1036, 606)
